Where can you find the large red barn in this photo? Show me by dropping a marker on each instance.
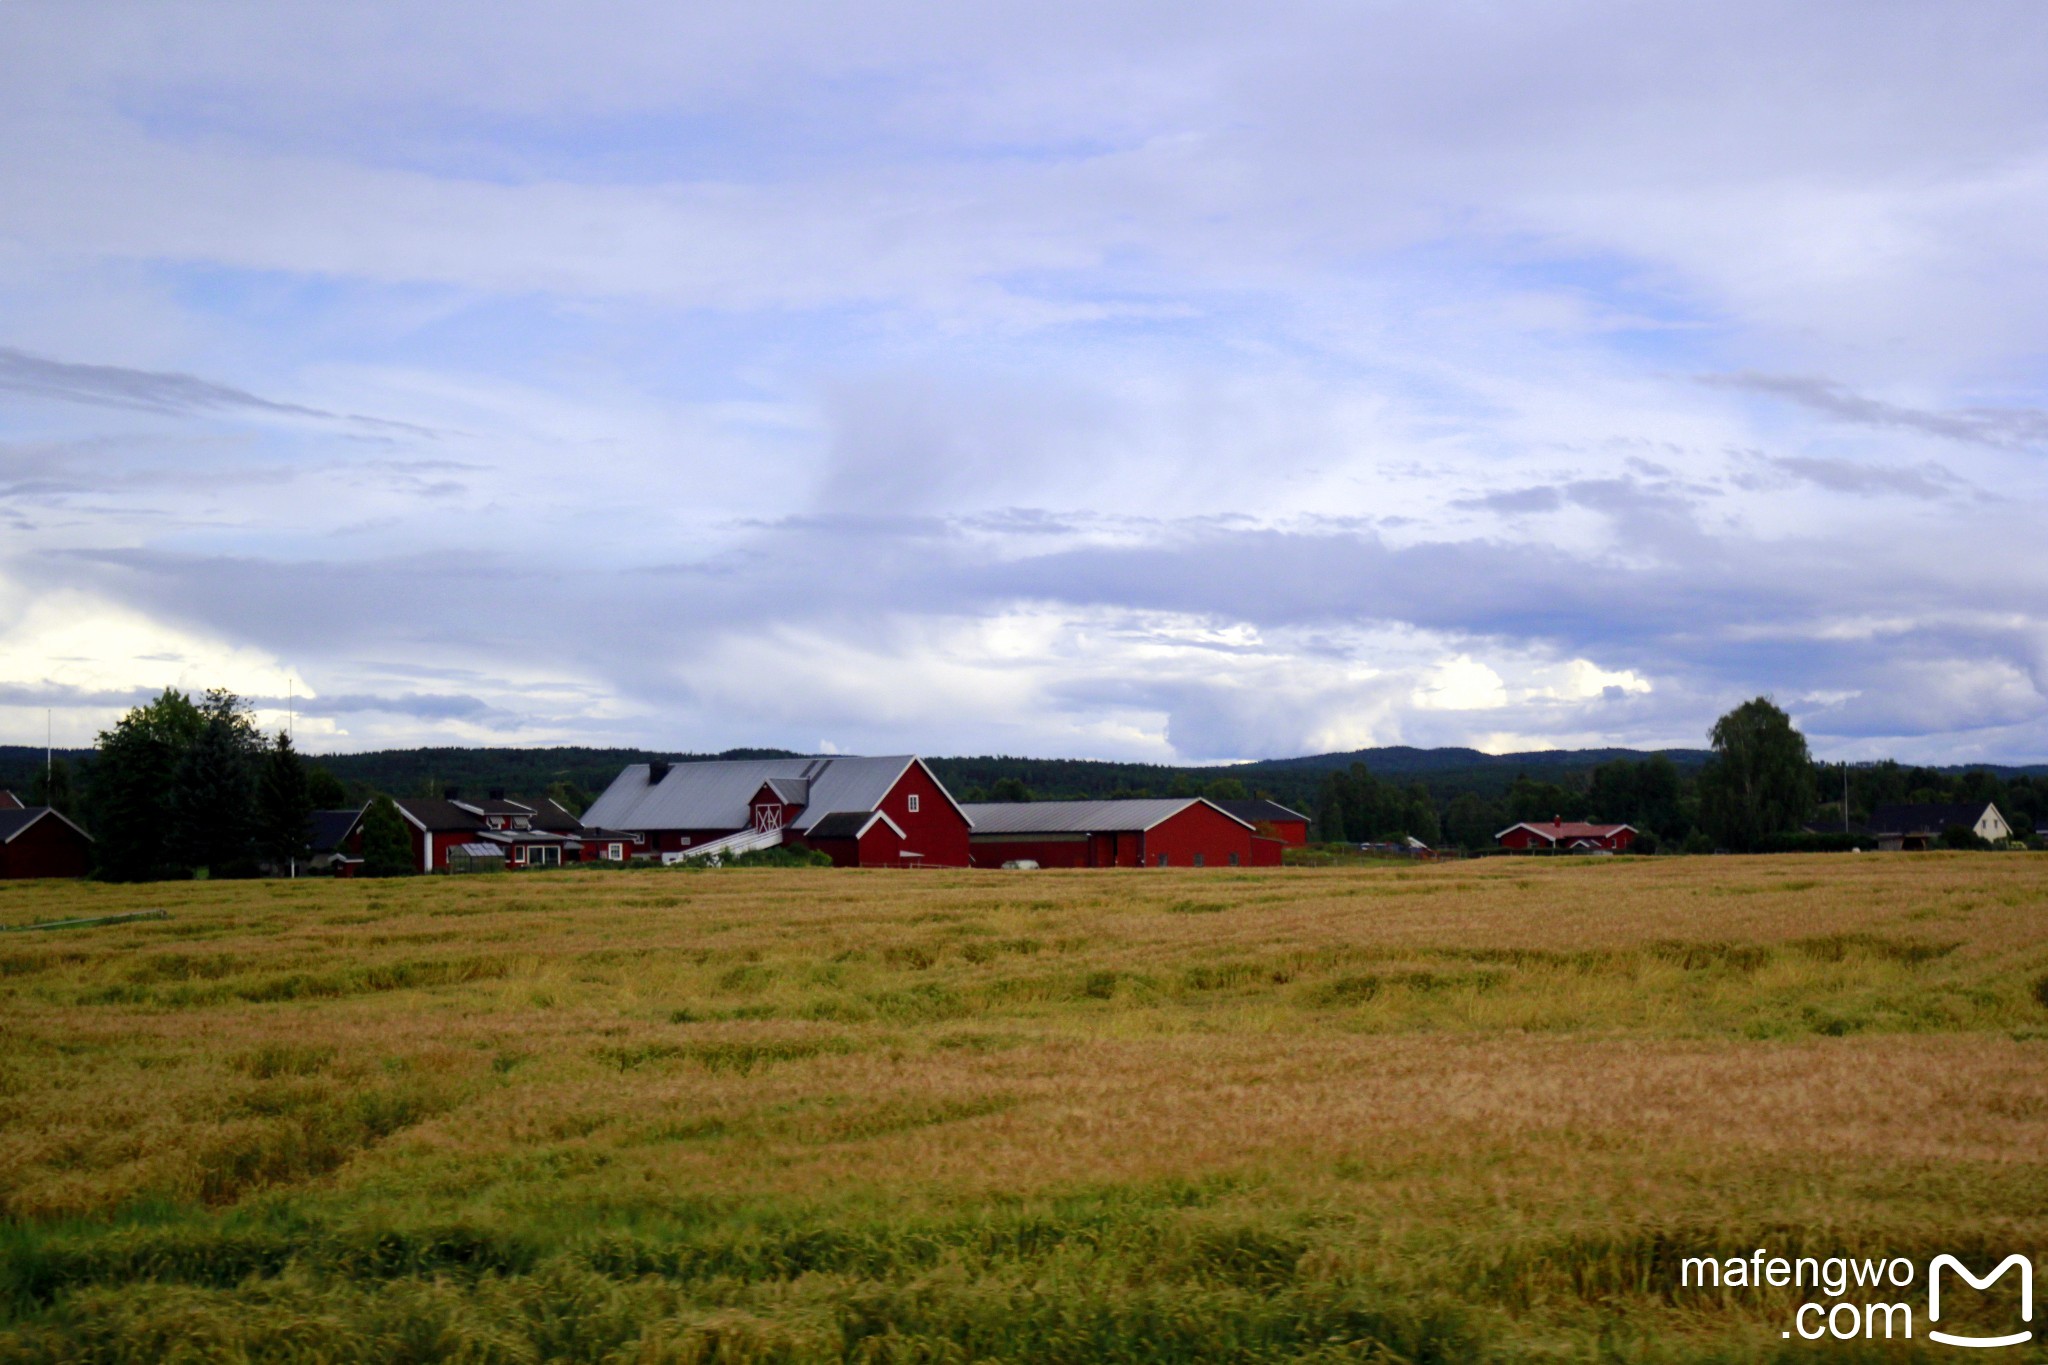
(38, 841)
(691, 809)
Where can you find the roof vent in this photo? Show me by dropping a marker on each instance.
(657, 770)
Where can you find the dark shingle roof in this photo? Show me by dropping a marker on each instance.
(13, 822)
(329, 827)
(1926, 818)
(846, 824)
(439, 815)
(1252, 812)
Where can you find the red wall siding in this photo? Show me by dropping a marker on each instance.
(1044, 852)
(48, 848)
(938, 832)
(1521, 838)
(1198, 829)
(1267, 852)
(1294, 832)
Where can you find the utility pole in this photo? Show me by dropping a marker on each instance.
(1845, 796)
(49, 753)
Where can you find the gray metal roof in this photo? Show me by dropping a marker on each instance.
(714, 795)
(1079, 817)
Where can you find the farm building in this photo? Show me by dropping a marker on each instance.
(39, 841)
(537, 834)
(1567, 836)
(1921, 826)
(863, 812)
(1170, 832)
(1270, 820)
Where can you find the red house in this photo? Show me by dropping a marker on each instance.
(538, 834)
(1170, 832)
(689, 809)
(1572, 836)
(38, 841)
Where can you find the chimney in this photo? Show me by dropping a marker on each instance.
(451, 793)
(1557, 819)
(497, 793)
(657, 770)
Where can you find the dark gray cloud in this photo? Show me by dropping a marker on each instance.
(2004, 428)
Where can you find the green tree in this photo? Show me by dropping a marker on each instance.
(1421, 821)
(284, 806)
(132, 787)
(324, 789)
(387, 848)
(1226, 789)
(1330, 825)
(52, 787)
(1760, 780)
(214, 792)
(1009, 789)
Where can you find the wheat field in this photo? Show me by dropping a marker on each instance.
(1462, 1112)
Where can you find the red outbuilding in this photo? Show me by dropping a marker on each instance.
(1270, 820)
(39, 841)
(1164, 832)
(1569, 836)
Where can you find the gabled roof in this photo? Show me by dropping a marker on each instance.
(851, 824)
(16, 822)
(1272, 812)
(794, 791)
(1926, 817)
(1083, 817)
(330, 827)
(437, 816)
(714, 795)
(9, 801)
(1555, 830)
(550, 814)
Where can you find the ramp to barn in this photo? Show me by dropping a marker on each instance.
(718, 850)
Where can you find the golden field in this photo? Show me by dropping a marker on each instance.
(1458, 1112)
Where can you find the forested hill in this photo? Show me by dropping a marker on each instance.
(578, 773)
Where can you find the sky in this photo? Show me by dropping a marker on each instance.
(1169, 382)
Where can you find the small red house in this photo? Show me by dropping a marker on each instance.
(38, 841)
(1169, 832)
(1569, 836)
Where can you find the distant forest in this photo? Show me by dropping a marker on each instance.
(1441, 796)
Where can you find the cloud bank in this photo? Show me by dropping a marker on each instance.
(1126, 380)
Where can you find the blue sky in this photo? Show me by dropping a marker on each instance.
(1170, 382)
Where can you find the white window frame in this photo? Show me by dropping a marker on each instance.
(913, 803)
(615, 853)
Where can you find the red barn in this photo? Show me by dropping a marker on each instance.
(38, 841)
(1571, 836)
(680, 808)
(1169, 832)
(537, 835)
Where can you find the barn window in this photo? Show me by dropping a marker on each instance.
(615, 853)
(1199, 857)
(1159, 860)
(1233, 860)
(913, 803)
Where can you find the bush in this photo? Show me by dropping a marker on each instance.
(1961, 836)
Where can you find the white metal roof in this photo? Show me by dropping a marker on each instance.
(1081, 817)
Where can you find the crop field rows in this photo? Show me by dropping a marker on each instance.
(1469, 1111)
